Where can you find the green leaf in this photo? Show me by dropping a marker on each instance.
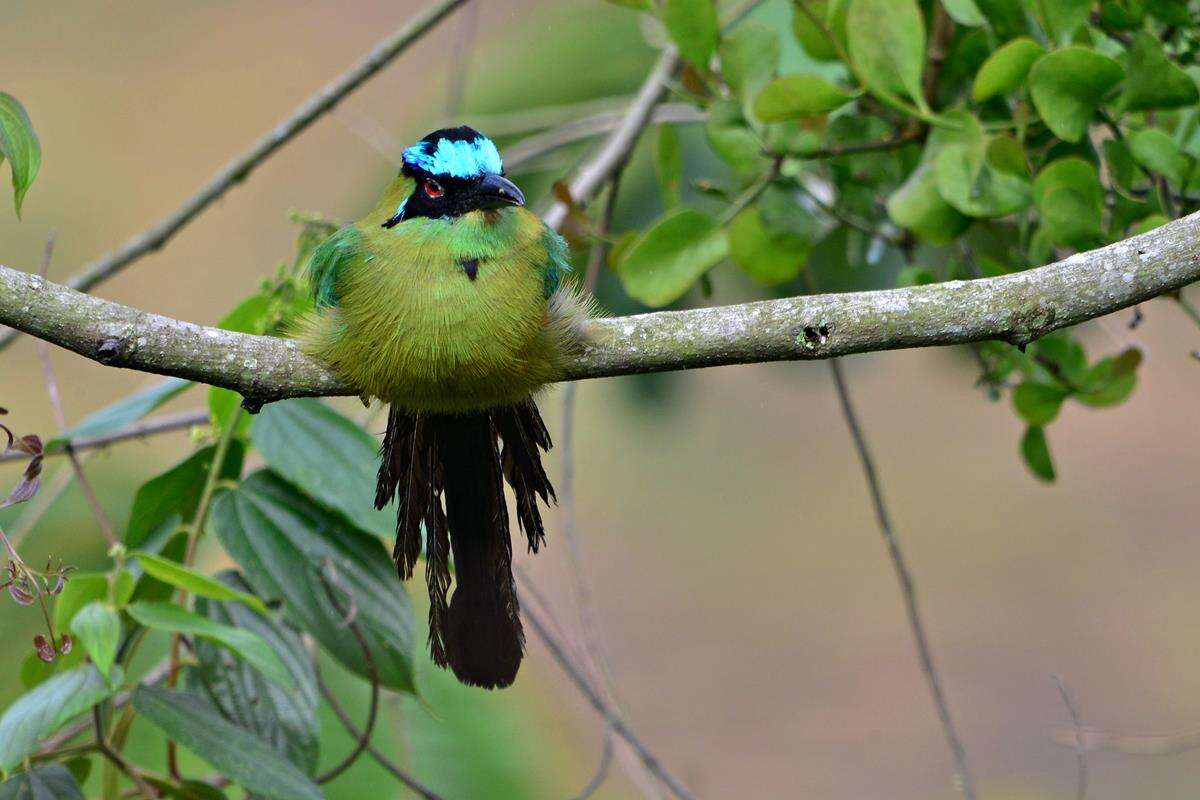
(249, 646)
(1005, 69)
(190, 580)
(1006, 17)
(1064, 17)
(731, 139)
(1036, 453)
(798, 97)
(1111, 380)
(1158, 152)
(749, 57)
(122, 413)
(831, 14)
(98, 628)
(918, 206)
(1172, 12)
(668, 165)
(964, 12)
(671, 255)
(965, 178)
(244, 758)
(82, 588)
(1155, 82)
(1121, 167)
(914, 276)
(176, 492)
(1071, 201)
(46, 708)
(694, 28)
(1038, 403)
(886, 40)
(285, 719)
(44, 782)
(1068, 86)
(768, 257)
(328, 456)
(638, 5)
(19, 144)
(282, 539)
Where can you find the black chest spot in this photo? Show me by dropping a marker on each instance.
(470, 266)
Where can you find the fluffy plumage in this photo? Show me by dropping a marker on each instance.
(454, 315)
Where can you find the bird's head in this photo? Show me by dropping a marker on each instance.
(454, 171)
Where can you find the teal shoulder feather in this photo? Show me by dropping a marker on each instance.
(557, 261)
(328, 263)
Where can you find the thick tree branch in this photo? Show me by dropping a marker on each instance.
(1016, 308)
(237, 170)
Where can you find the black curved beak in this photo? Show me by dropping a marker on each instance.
(497, 191)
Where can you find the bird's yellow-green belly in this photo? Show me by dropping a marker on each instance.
(430, 338)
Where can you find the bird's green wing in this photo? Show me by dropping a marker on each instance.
(557, 261)
(328, 263)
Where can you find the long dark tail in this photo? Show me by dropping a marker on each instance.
(426, 458)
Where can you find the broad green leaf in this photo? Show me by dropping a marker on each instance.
(1068, 86)
(886, 40)
(694, 28)
(186, 789)
(1158, 152)
(914, 276)
(244, 758)
(98, 629)
(190, 580)
(749, 57)
(285, 719)
(1110, 380)
(1172, 12)
(82, 588)
(964, 12)
(731, 138)
(176, 492)
(1148, 224)
(1122, 169)
(1005, 69)
(43, 782)
(668, 165)
(1036, 452)
(1038, 403)
(1064, 17)
(122, 413)
(328, 456)
(918, 206)
(797, 97)
(638, 5)
(1007, 155)
(19, 144)
(965, 177)
(828, 18)
(250, 647)
(1155, 82)
(670, 256)
(767, 257)
(46, 708)
(282, 540)
(1071, 201)
(1006, 17)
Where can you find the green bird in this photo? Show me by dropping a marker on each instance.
(447, 302)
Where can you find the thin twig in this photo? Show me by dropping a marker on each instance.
(240, 168)
(959, 752)
(1081, 780)
(117, 759)
(60, 417)
(383, 761)
(138, 430)
(601, 773)
(362, 740)
(577, 675)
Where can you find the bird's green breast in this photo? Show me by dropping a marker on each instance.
(444, 315)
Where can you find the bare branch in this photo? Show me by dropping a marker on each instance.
(577, 676)
(1081, 781)
(1017, 308)
(412, 783)
(924, 652)
(240, 168)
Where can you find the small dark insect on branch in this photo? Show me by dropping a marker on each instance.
(328, 577)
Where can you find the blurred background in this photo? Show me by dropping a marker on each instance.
(754, 626)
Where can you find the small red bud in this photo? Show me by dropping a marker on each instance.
(46, 654)
(39, 641)
(66, 644)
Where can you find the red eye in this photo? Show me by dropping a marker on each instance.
(434, 189)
